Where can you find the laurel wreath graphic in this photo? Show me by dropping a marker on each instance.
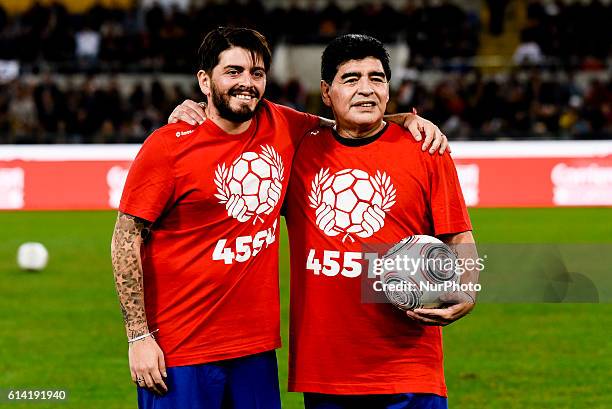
(221, 181)
(316, 195)
(381, 183)
(223, 177)
(274, 159)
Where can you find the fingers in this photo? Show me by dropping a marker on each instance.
(328, 227)
(438, 138)
(275, 191)
(147, 365)
(234, 205)
(144, 379)
(237, 208)
(413, 127)
(153, 380)
(433, 316)
(174, 117)
(158, 381)
(444, 316)
(231, 203)
(429, 136)
(189, 111)
(435, 140)
(436, 313)
(242, 211)
(368, 230)
(445, 146)
(380, 212)
(180, 114)
(327, 219)
(162, 364)
(151, 383)
(374, 219)
(195, 110)
(188, 115)
(195, 106)
(424, 320)
(322, 212)
(443, 143)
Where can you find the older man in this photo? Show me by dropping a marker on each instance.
(365, 183)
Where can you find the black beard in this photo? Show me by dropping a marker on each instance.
(222, 103)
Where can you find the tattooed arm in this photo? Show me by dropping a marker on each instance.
(145, 356)
(125, 250)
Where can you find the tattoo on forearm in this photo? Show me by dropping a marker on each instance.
(129, 233)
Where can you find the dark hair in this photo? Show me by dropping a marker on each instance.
(352, 47)
(223, 38)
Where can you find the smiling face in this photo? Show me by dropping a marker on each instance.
(236, 84)
(358, 95)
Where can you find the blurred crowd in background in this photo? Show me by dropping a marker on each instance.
(527, 104)
(539, 97)
(575, 34)
(85, 113)
(165, 39)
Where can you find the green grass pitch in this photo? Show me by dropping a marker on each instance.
(62, 329)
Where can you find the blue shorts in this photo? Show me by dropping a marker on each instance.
(395, 401)
(249, 382)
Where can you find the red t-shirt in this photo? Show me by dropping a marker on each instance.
(341, 199)
(211, 263)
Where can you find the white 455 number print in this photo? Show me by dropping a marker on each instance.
(333, 262)
(245, 247)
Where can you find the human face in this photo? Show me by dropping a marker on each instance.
(358, 95)
(235, 86)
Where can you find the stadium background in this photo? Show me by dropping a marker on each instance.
(531, 82)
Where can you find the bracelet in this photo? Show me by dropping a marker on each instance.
(143, 336)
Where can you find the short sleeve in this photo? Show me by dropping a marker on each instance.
(150, 182)
(448, 208)
(299, 122)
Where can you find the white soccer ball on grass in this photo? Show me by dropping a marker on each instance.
(32, 256)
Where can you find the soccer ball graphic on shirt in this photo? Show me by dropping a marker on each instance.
(351, 202)
(252, 185)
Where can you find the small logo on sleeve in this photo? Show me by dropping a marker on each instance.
(184, 133)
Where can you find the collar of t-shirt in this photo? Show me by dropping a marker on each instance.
(353, 142)
(214, 130)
